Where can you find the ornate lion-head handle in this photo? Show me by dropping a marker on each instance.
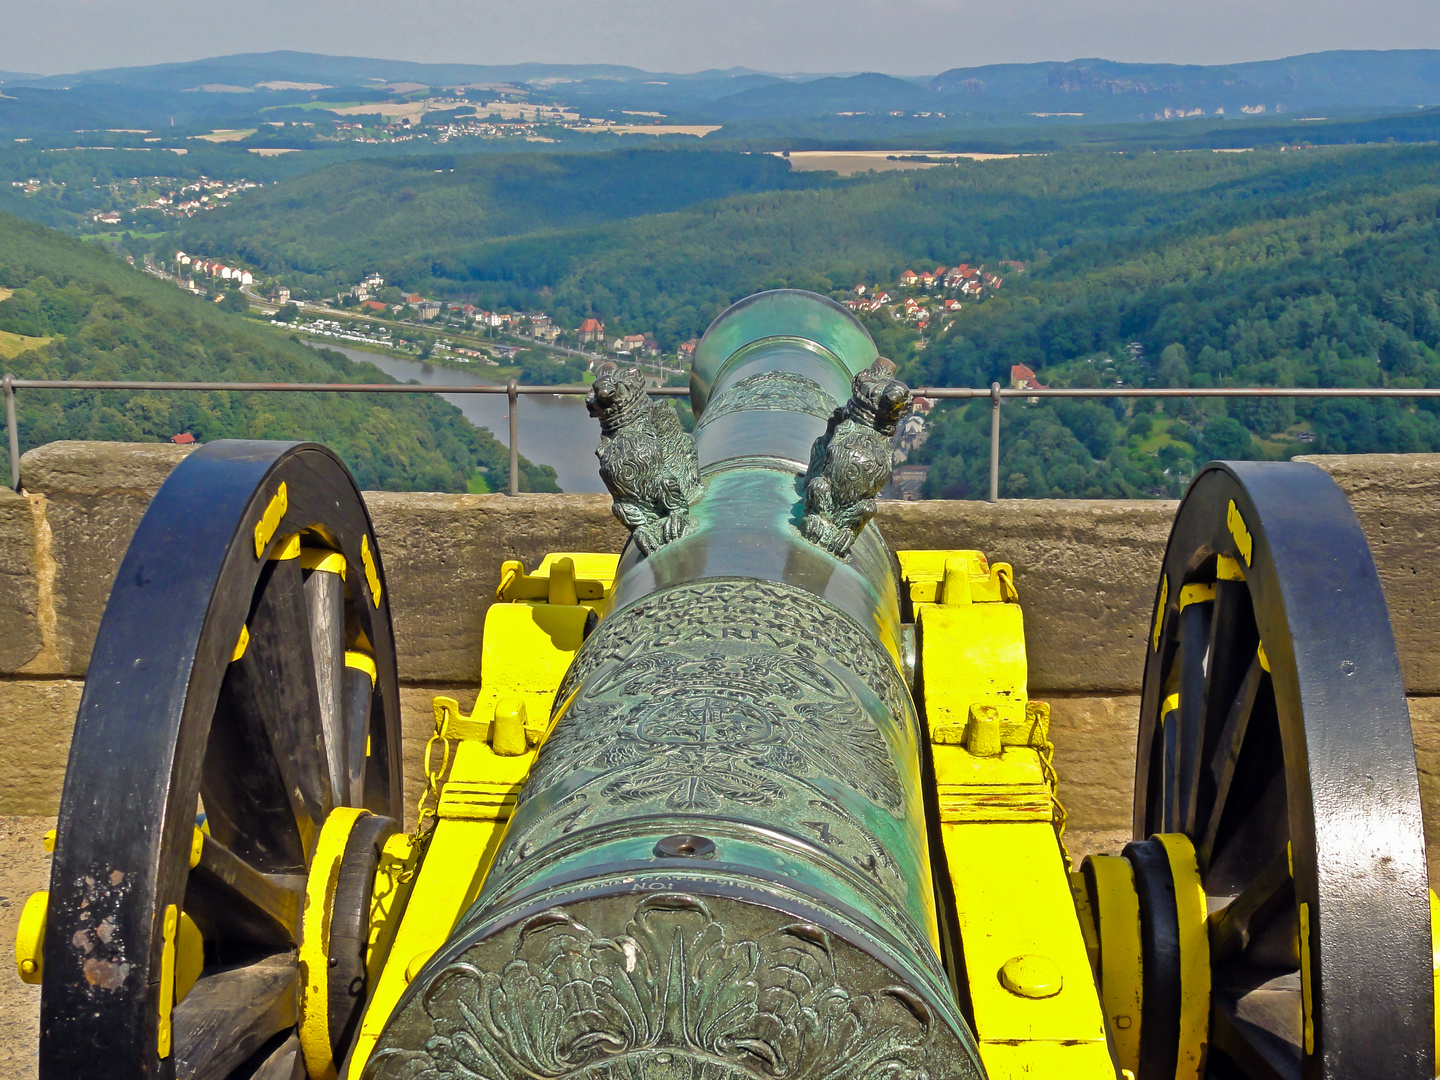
(850, 463)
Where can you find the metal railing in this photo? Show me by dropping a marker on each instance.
(995, 393)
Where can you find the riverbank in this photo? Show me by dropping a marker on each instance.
(554, 430)
(494, 374)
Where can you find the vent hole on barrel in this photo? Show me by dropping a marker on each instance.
(685, 846)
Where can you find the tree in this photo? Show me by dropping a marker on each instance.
(1225, 439)
(539, 368)
(1174, 369)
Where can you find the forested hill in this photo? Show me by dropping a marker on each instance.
(336, 225)
(1314, 269)
(69, 310)
(1304, 267)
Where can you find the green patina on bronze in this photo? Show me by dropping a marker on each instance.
(718, 867)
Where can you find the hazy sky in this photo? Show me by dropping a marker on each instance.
(897, 36)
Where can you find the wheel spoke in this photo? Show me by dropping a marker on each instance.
(1195, 623)
(286, 1063)
(1234, 926)
(380, 776)
(359, 697)
(1236, 1030)
(244, 791)
(1277, 1007)
(229, 1015)
(275, 681)
(1229, 743)
(233, 902)
(325, 603)
(1258, 836)
(1247, 758)
(1232, 650)
(1169, 795)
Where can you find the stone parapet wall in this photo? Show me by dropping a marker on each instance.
(1085, 571)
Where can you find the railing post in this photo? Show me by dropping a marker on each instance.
(13, 426)
(514, 437)
(994, 442)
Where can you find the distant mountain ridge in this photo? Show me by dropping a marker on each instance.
(1359, 77)
(1109, 90)
(237, 91)
(1348, 78)
(251, 69)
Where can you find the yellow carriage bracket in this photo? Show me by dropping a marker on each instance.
(971, 639)
(427, 882)
(563, 577)
(1037, 1012)
(424, 885)
(1027, 961)
(531, 635)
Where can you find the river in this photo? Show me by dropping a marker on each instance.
(553, 431)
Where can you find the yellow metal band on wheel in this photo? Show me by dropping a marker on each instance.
(270, 520)
(1435, 961)
(1190, 913)
(329, 562)
(372, 575)
(1117, 913)
(315, 941)
(362, 662)
(1196, 594)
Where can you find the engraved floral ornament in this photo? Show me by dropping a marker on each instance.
(698, 727)
(670, 997)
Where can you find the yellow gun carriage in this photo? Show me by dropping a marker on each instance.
(757, 797)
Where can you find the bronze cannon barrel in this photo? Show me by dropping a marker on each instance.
(719, 864)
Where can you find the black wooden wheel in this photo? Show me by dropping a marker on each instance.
(1274, 734)
(243, 678)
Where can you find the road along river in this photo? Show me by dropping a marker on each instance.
(554, 431)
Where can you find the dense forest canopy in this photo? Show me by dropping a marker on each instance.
(1305, 267)
(407, 216)
(1321, 271)
(1310, 266)
(71, 311)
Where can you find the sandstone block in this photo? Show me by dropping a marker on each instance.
(1397, 499)
(442, 556)
(1094, 741)
(37, 717)
(1425, 726)
(1086, 572)
(92, 495)
(20, 638)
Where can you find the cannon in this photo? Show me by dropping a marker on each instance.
(757, 798)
